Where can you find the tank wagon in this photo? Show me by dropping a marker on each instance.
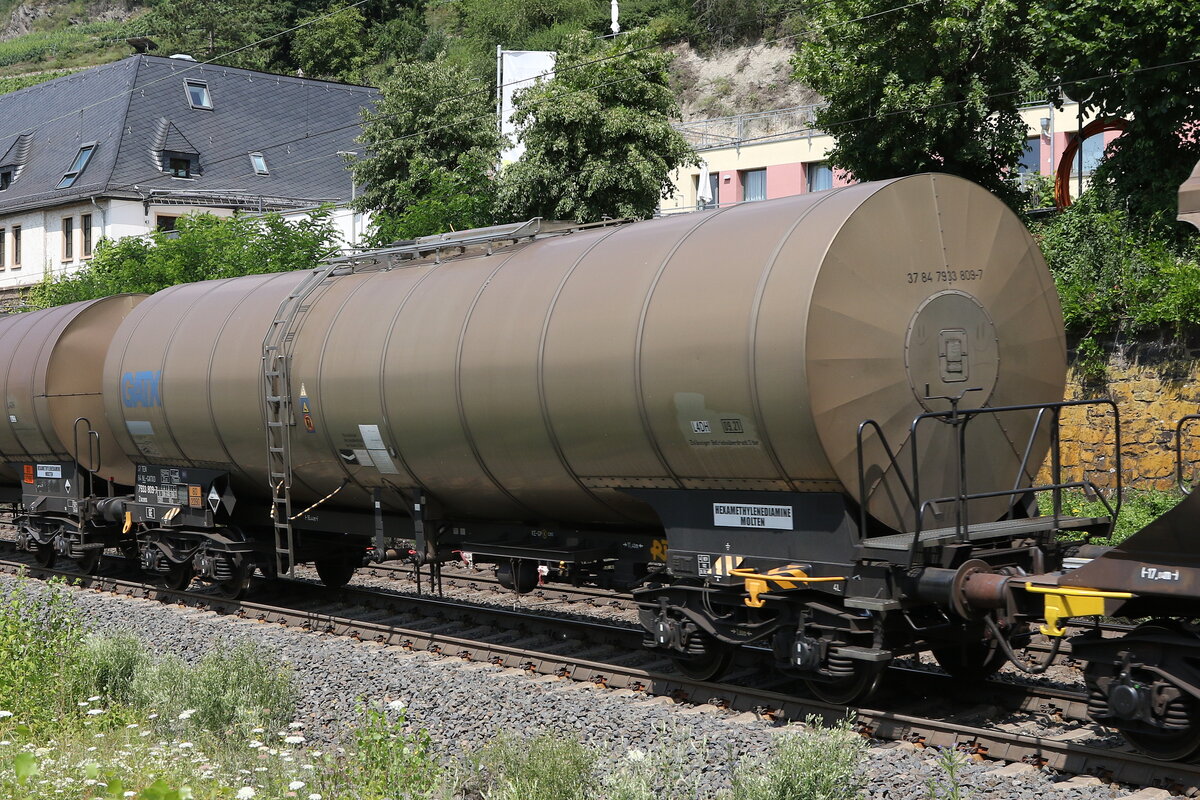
(810, 423)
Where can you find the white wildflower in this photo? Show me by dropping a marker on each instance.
(259, 730)
(255, 744)
(131, 726)
(636, 755)
(152, 716)
(5, 743)
(245, 793)
(397, 705)
(295, 786)
(5, 714)
(93, 699)
(130, 794)
(185, 745)
(188, 715)
(95, 711)
(294, 739)
(83, 703)
(314, 796)
(295, 725)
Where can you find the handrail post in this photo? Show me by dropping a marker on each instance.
(1056, 463)
(1120, 468)
(862, 484)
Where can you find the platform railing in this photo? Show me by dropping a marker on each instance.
(1048, 415)
(1184, 485)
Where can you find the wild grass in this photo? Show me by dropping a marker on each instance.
(809, 764)
(102, 716)
(1139, 507)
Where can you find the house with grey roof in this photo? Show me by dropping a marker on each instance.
(129, 147)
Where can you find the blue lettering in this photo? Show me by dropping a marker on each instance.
(140, 389)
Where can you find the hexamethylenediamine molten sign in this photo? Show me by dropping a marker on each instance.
(730, 515)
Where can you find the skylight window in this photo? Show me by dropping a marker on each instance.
(259, 163)
(78, 166)
(198, 96)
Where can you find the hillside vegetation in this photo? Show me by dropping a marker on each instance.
(715, 41)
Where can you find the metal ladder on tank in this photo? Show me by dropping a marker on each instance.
(280, 416)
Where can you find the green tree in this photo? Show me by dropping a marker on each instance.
(206, 29)
(204, 247)
(431, 143)
(933, 86)
(598, 136)
(332, 43)
(1134, 59)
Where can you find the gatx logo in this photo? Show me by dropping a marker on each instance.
(140, 389)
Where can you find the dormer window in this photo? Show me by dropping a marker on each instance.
(259, 163)
(77, 167)
(198, 96)
(181, 165)
(6, 177)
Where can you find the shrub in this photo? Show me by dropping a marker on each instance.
(40, 633)
(390, 761)
(1113, 274)
(812, 763)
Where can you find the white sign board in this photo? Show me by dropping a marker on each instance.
(729, 515)
(517, 70)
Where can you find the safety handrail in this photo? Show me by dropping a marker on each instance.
(960, 418)
(1089, 487)
(93, 441)
(862, 476)
(1179, 426)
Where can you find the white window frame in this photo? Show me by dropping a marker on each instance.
(82, 159)
(188, 85)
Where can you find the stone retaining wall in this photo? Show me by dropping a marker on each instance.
(1154, 383)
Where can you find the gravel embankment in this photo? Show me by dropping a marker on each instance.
(464, 705)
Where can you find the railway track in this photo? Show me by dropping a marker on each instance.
(482, 580)
(609, 655)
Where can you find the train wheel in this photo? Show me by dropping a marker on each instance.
(518, 574)
(178, 577)
(45, 555)
(89, 562)
(715, 661)
(853, 689)
(334, 571)
(1169, 746)
(235, 586)
(970, 661)
(1174, 745)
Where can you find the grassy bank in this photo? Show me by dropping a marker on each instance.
(101, 716)
(1138, 509)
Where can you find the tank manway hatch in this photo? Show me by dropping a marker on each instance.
(951, 350)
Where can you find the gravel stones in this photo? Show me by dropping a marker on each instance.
(464, 705)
